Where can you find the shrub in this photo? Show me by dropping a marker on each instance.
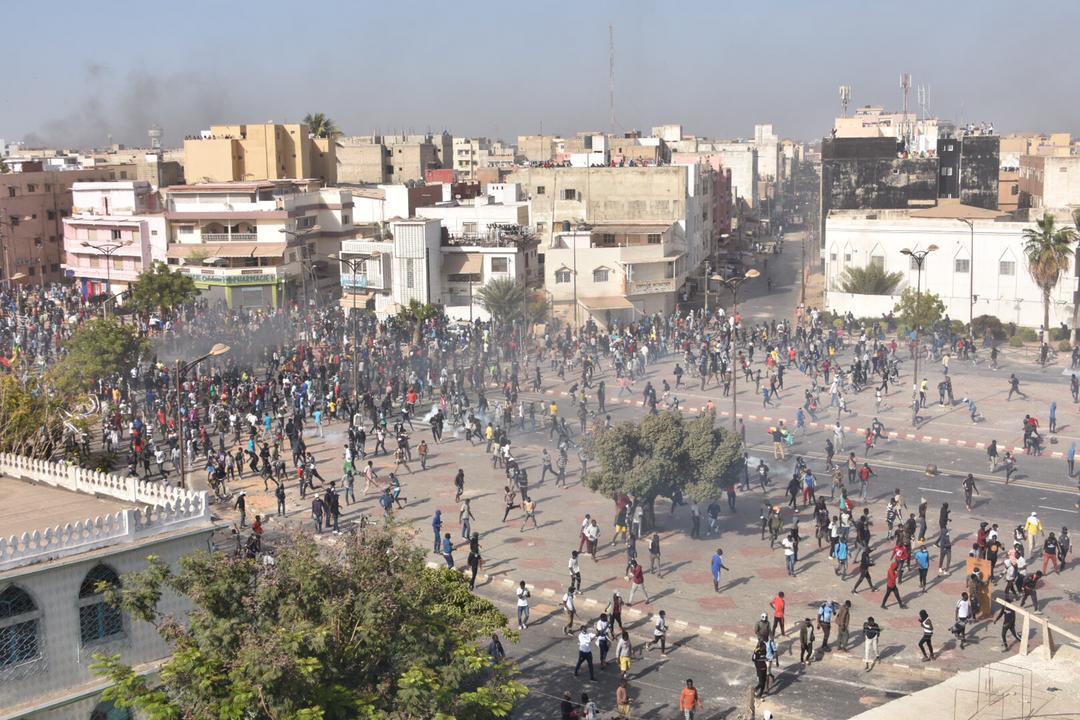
(1028, 335)
(982, 323)
(1065, 346)
(1015, 341)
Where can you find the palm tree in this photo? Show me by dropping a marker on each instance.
(321, 126)
(418, 313)
(869, 280)
(502, 298)
(1049, 251)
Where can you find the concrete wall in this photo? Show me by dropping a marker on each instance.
(867, 173)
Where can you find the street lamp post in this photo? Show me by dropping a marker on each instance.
(971, 276)
(298, 237)
(181, 369)
(708, 272)
(919, 256)
(733, 284)
(108, 250)
(353, 264)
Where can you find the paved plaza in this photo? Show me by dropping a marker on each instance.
(716, 627)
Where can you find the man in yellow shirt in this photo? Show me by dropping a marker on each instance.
(1033, 528)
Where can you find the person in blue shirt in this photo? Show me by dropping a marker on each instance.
(824, 619)
(717, 568)
(800, 420)
(448, 551)
(841, 554)
(1053, 416)
(318, 421)
(1071, 458)
(436, 526)
(922, 559)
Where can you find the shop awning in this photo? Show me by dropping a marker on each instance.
(226, 250)
(463, 263)
(610, 302)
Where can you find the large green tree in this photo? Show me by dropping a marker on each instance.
(664, 453)
(869, 280)
(321, 126)
(162, 290)
(417, 313)
(1049, 251)
(98, 349)
(919, 310)
(362, 629)
(33, 416)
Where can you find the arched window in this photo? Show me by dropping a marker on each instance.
(97, 619)
(19, 631)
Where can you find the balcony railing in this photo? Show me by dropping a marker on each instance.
(361, 281)
(649, 287)
(230, 237)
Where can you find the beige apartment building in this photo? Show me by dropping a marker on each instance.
(389, 159)
(538, 148)
(269, 151)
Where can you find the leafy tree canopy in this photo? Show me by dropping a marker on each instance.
(1049, 251)
(98, 349)
(869, 280)
(32, 418)
(321, 126)
(919, 311)
(161, 289)
(664, 453)
(360, 630)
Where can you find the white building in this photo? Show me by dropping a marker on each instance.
(477, 218)
(1000, 284)
(245, 242)
(115, 232)
(64, 530)
(392, 272)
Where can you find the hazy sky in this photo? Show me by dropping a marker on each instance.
(76, 73)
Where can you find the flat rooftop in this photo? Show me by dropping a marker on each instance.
(26, 507)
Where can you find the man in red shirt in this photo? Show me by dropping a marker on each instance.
(778, 613)
(890, 584)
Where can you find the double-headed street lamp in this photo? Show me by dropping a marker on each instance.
(181, 369)
(353, 264)
(108, 250)
(732, 284)
(919, 256)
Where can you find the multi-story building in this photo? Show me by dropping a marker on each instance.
(248, 242)
(739, 157)
(467, 264)
(378, 159)
(474, 154)
(501, 208)
(969, 168)
(65, 530)
(33, 205)
(611, 272)
(1049, 182)
(116, 231)
(392, 272)
(872, 121)
(770, 168)
(538, 148)
(268, 151)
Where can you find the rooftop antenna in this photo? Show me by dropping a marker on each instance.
(845, 98)
(905, 89)
(611, 77)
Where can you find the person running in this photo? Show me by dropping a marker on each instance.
(660, 629)
(637, 580)
(865, 562)
(926, 643)
(1008, 617)
(891, 586)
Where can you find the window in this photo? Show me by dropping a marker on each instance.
(847, 257)
(541, 227)
(600, 275)
(1007, 267)
(832, 257)
(32, 271)
(31, 188)
(11, 191)
(48, 187)
(1015, 190)
(116, 234)
(50, 215)
(186, 229)
(305, 223)
(410, 274)
(345, 219)
(962, 265)
(14, 220)
(877, 261)
(500, 265)
(569, 194)
(123, 174)
(562, 276)
(468, 228)
(653, 239)
(55, 267)
(540, 189)
(19, 618)
(97, 619)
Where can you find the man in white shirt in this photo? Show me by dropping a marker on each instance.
(659, 634)
(963, 616)
(570, 609)
(585, 640)
(523, 595)
(574, 566)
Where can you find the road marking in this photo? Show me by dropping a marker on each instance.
(1047, 507)
(946, 492)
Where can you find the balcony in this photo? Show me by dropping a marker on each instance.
(230, 237)
(650, 287)
(361, 281)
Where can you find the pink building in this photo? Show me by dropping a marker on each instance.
(116, 231)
